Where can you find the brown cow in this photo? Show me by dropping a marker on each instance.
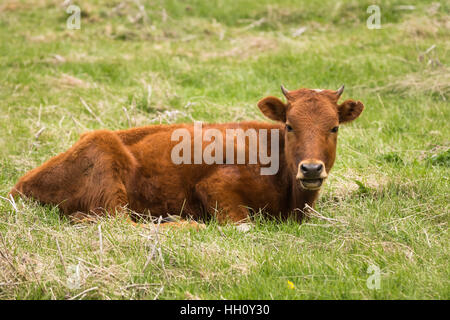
(106, 171)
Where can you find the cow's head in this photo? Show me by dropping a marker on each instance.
(312, 119)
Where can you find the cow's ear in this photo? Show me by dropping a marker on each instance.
(273, 108)
(349, 110)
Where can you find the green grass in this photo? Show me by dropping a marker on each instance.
(210, 61)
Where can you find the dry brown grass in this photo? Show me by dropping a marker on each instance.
(435, 81)
(68, 81)
(244, 48)
(426, 26)
(342, 184)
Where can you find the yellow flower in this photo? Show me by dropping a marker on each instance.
(290, 285)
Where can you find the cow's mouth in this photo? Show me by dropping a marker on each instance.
(311, 184)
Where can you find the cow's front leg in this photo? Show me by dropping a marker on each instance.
(81, 217)
(217, 199)
(232, 213)
(183, 224)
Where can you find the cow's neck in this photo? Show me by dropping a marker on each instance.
(296, 197)
(300, 196)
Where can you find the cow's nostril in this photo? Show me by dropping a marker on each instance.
(311, 168)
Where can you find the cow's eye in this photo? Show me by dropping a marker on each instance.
(289, 128)
(335, 129)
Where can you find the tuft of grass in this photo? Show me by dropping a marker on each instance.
(385, 203)
(440, 158)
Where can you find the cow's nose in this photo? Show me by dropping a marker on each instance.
(311, 170)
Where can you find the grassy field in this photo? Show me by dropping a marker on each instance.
(136, 63)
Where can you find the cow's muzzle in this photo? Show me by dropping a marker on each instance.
(311, 174)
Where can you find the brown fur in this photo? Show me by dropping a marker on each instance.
(107, 170)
